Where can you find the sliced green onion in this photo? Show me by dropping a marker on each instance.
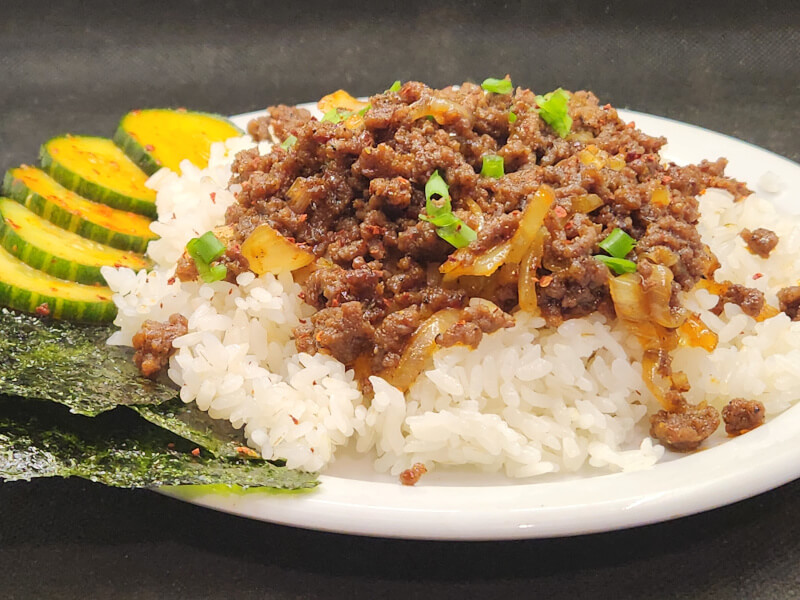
(207, 247)
(497, 86)
(334, 116)
(436, 186)
(289, 142)
(204, 250)
(512, 117)
(492, 166)
(395, 87)
(440, 213)
(214, 273)
(364, 110)
(618, 243)
(458, 235)
(553, 111)
(618, 265)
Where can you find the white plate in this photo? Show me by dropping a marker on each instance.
(460, 506)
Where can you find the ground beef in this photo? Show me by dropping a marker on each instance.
(740, 415)
(750, 300)
(474, 322)
(353, 193)
(760, 241)
(153, 343)
(281, 122)
(342, 331)
(789, 299)
(686, 429)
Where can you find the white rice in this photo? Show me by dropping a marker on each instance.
(528, 401)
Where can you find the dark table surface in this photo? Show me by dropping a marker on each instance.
(76, 67)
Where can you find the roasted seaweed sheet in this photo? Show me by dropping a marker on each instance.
(40, 439)
(72, 365)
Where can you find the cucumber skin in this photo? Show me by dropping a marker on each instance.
(138, 154)
(135, 151)
(92, 191)
(68, 310)
(17, 190)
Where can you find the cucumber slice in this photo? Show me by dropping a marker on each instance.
(98, 170)
(50, 200)
(56, 251)
(160, 137)
(29, 290)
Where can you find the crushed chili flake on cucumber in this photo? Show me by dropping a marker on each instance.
(50, 200)
(61, 253)
(159, 137)
(99, 170)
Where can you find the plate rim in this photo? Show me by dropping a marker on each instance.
(689, 485)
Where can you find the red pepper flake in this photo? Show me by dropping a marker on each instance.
(302, 217)
(666, 179)
(546, 280)
(607, 106)
(245, 451)
(149, 147)
(758, 276)
(196, 452)
(412, 475)
(171, 445)
(10, 222)
(295, 421)
(213, 197)
(170, 281)
(334, 302)
(631, 125)
(560, 211)
(43, 310)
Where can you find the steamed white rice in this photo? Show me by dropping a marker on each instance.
(529, 400)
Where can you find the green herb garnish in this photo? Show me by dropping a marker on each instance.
(618, 265)
(492, 166)
(395, 87)
(497, 86)
(289, 142)
(553, 111)
(618, 243)
(364, 110)
(440, 214)
(334, 116)
(204, 250)
(512, 116)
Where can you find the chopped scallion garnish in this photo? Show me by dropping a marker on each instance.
(512, 117)
(364, 110)
(207, 247)
(618, 265)
(497, 86)
(553, 111)
(395, 86)
(289, 142)
(618, 243)
(334, 116)
(492, 166)
(440, 214)
(204, 250)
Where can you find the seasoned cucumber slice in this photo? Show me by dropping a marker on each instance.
(50, 200)
(160, 137)
(56, 251)
(98, 170)
(29, 290)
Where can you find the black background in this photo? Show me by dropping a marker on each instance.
(78, 66)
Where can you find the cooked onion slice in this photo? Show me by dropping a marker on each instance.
(463, 262)
(421, 348)
(267, 251)
(657, 292)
